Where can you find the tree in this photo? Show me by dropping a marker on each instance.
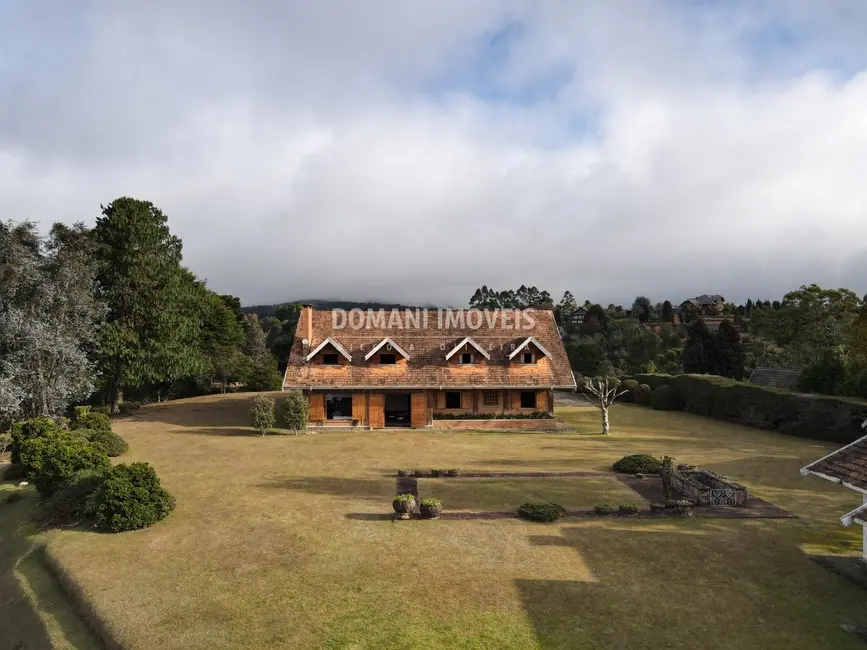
(667, 312)
(152, 330)
(585, 355)
(728, 355)
(296, 410)
(48, 319)
(262, 373)
(601, 392)
(262, 414)
(698, 352)
(222, 336)
(641, 309)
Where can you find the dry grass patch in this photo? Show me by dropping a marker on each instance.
(284, 541)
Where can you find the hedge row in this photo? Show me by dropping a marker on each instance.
(835, 419)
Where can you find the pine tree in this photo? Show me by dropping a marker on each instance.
(667, 312)
(262, 374)
(728, 357)
(152, 330)
(698, 352)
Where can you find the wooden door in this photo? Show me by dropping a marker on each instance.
(541, 401)
(377, 410)
(358, 407)
(418, 410)
(317, 407)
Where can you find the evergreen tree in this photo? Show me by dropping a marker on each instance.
(728, 357)
(698, 352)
(667, 312)
(641, 309)
(151, 334)
(262, 374)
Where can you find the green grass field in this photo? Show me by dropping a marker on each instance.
(284, 542)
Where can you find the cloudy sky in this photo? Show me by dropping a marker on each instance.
(413, 151)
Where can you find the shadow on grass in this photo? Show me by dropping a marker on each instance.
(665, 575)
(21, 627)
(221, 432)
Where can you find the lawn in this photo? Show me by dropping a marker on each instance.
(283, 542)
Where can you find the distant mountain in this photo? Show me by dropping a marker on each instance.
(264, 311)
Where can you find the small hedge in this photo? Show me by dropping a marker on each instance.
(129, 498)
(628, 385)
(84, 418)
(52, 459)
(641, 394)
(665, 398)
(112, 443)
(653, 380)
(69, 503)
(262, 414)
(535, 415)
(638, 464)
(542, 511)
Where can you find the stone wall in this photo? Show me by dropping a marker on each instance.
(708, 489)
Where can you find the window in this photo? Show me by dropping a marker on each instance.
(453, 400)
(387, 359)
(490, 398)
(466, 357)
(528, 357)
(329, 360)
(338, 406)
(528, 399)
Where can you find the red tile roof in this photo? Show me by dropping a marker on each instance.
(427, 347)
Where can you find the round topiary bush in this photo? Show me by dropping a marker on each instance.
(628, 385)
(51, 460)
(84, 418)
(112, 443)
(129, 498)
(638, 464)
(664, 398)
(542, 511)
(641, 394)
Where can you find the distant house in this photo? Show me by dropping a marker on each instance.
(847, 466)
(576, 317)
(705, 304)
(399, 374)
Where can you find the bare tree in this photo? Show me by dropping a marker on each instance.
(601, 393)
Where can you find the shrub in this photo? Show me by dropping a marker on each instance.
(52, 459)
(403, 498)
(128, 408)
(28, 429)
(628, 385)
(641, 394)
(111, 443)
(262, 414)
(653, 380)
(101, 409)
(603, 509)
(14, 473)
(69, 503)
(421, 472)
(665, 398)
(430, 501)
(454, 472)
(84, 418)
(638, 464)
(296, 410)
(5, 442)
(542, 511)
(628, 508)
(438, 472)
(129, 498)
(403, 472)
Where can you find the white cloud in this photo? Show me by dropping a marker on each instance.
(321, 150)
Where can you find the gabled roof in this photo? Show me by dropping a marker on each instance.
(427, 343)
(386, 341)
(857, 516)
(847, 465)
(468, 341)
(336, 345)
(776, 377)
(523, 346)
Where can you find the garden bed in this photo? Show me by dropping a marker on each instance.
(499, 424)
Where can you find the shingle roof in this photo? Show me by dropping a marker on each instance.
(847, 465)
(427, 347)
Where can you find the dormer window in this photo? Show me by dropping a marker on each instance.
(330, 360)
(528, 357)
(466, 357)
(387, 359)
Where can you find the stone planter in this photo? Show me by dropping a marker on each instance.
(403, 508)
(430, 512)
(657, 508)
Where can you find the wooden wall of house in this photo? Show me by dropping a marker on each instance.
(508, 401)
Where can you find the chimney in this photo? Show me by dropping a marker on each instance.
(307, 320)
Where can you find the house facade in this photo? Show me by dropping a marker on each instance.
(397, 369)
